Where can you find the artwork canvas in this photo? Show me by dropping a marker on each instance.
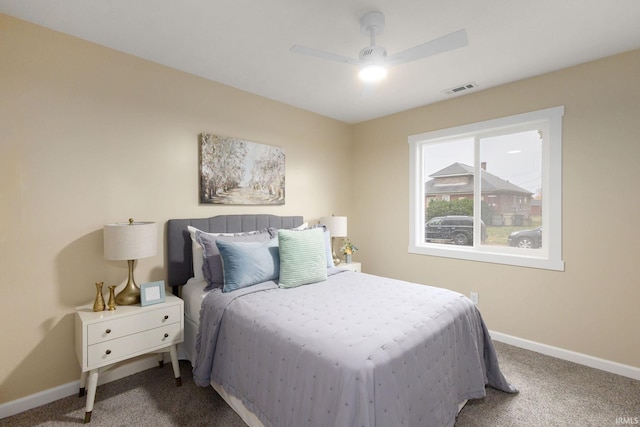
(238, 172)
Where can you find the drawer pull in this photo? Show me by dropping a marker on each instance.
(166, 316)
(108, 331)
(108, 351)
(166, 335)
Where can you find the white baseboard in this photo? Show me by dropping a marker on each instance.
(51, 395)
(571, 356)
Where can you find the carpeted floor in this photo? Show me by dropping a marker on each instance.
(553, 392)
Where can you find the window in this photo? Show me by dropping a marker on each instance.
(490, 191)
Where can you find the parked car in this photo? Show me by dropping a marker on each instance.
(456, 229)
(526, 238)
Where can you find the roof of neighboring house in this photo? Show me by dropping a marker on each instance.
(490, 183)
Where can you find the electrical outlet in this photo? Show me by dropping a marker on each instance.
(473, 296)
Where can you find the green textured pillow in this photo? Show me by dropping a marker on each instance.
(302, 257)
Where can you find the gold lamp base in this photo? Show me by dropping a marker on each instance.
(130, 294)
(336, 260)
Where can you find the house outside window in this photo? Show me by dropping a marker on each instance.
(508, 203)
(490, 191)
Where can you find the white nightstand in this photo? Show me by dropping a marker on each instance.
(105, 338)
(351, 266)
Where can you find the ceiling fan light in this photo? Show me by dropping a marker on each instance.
(372, 73)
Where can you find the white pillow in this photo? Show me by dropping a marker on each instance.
(196, 254)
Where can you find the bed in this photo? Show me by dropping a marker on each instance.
(351, 350)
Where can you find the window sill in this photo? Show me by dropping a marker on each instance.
(535, 258)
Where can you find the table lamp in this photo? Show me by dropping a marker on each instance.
(337, 226)
(130, 241)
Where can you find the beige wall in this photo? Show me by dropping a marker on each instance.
(88, 136)
(594, 306)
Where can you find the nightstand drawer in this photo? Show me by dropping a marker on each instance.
(351, 266)
(110, 329)
(111, 351)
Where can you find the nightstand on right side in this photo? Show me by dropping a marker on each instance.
(351, 266)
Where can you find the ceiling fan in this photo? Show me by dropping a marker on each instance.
(374, 61)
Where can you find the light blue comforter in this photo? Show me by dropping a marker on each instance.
(356, 350)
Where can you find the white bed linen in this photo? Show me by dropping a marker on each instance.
(193, 293)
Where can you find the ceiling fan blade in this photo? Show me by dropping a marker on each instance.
(451, 41)
(322, 54)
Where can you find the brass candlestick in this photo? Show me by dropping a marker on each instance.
(112, 298)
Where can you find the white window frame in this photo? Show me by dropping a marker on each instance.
(550, 255)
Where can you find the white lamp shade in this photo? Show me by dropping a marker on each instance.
(130, 241)
(337, 225)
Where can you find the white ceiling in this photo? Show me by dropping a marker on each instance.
(245, 43)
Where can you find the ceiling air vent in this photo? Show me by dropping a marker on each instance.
(461, 88)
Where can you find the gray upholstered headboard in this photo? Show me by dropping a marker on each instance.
(179, 261)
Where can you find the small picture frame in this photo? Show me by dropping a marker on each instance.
(152, 293)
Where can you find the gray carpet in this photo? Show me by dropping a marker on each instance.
(553, 392)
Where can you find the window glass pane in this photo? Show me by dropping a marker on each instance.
(511, 188)
(448, 172)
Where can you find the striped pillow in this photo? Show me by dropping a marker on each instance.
(302, 257)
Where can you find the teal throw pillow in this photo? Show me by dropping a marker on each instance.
(248, 263)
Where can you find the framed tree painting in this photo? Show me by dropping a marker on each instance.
(238, 172)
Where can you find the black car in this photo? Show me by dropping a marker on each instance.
(526, 238)
(456, 229)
